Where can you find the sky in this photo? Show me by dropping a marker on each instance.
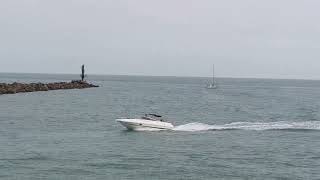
(247, 38)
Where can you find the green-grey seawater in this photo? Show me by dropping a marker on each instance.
(245, 129)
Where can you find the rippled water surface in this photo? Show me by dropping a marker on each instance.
(245, 129)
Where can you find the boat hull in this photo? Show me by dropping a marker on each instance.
(145, 125)
(212, 86)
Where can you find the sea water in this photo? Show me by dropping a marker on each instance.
(244, 129)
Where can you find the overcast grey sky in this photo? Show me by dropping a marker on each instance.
(243, 38)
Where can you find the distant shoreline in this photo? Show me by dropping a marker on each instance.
(15, 87)
(162, 76)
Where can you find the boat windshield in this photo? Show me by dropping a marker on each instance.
(152, 117)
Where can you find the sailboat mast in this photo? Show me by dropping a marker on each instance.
(213, 74)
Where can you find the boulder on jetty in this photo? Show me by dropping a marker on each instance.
(32, 87)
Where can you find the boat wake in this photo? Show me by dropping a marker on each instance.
(280, 125)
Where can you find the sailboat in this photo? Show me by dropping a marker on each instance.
(213, 84)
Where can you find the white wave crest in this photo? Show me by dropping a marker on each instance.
(281, 125)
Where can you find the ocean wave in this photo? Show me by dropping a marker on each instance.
(280, 125)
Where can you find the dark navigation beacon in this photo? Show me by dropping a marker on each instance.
(82, 72)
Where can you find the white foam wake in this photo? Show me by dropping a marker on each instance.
(280, 125)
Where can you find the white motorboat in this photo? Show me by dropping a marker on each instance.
(149, 122)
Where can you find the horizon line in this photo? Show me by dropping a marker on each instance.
(137, 75)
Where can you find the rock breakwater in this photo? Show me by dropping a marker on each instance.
(32, 87)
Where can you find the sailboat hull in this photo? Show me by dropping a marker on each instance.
(211, 86)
